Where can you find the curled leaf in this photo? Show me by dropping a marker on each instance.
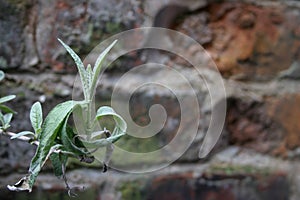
(21, 185)
(121, 126)
(70, 142)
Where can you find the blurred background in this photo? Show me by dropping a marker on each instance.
(256, 47)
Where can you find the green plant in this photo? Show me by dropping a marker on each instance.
(58, 141)
(6, 113)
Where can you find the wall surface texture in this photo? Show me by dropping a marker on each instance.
(256, 47)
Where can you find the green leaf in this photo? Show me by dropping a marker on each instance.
(58, 162)
(119, 131)
(1, 75)
(26, 182)
(36, 117)
(7, 109)
(2, 118)
(7, 98)
(23, 133)
(121, 126)
(50, 128)
(6, 120)
(90, 74)
(69, 144)
(101, 142)
(97, 67)
(80, 67)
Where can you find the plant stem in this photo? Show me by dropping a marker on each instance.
(23, 138)
(89, 119)
(27, 139)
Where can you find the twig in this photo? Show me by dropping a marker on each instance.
(23, 138)
(84, 158)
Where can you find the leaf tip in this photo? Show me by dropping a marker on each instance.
(114, 42)
(61, 42)
(21, 185)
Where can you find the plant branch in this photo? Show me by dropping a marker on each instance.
(28, 139)
(23, 138)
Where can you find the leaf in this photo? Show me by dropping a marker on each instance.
(101, 142)
(119, 130)
(21, 185)
(58, 161)
(121, 125)
(98, 134)
(36, 117)
(7, 98)
(23, 133)
(6, 109)
(1, 75)
(80, 67)
(50, 128)
(2, 118)
(25, 182)
(67, 136)
(7, 118)
(89, 73)
(97, 66)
